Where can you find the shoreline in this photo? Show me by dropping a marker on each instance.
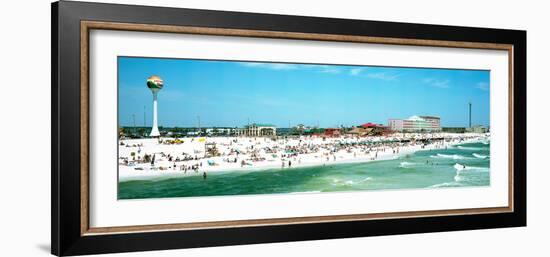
(165, 169)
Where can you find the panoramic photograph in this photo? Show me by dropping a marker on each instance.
(197, 128)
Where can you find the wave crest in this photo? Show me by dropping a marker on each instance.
(461, 167)
(407, 165)
(449, 156)
(480, 156)
(446, 184)
(469, 148)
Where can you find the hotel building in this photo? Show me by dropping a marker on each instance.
(415, 124)
(257, 130)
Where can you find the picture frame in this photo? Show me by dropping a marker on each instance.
(71, 26)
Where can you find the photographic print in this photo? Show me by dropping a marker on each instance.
(197, 128)
(162, 123)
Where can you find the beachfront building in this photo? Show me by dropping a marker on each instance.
(375, 129)
(359, 131)
(257, 130)
(415, 124)
(368, 129)
(395, 124)
(220, 131)
(477, 129)
(434, 123)
(332, 132)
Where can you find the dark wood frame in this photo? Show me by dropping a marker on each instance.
(71, 23)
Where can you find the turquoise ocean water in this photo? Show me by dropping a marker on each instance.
(459, 166)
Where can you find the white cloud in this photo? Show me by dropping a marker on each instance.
(383, 76)
(355, 71)
(438, 83)
(331, 69)
(387, 76)
(482, 86)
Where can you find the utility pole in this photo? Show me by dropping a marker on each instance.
(144, 118)
(199, 121)
(134, 118)
(470, 114)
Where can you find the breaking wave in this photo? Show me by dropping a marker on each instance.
(306, 192)
(449, 156)
(461, 167)
(446, 184)
(338, 182)
(366, 179)
(407, 165)
(457, 177)
(480, 156)
(469, 148)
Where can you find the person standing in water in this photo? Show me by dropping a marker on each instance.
(289, 163)
(204, 175)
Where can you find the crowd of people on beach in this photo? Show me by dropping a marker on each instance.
(245, 152)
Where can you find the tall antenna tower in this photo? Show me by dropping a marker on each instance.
(199, 123)
(469, 114)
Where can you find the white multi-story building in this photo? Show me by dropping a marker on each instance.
(257, 130)
(395, 124)
(433, 123)
(416, 124)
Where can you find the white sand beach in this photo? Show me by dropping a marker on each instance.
(189, 156)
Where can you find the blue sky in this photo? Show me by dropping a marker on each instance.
(229, 93)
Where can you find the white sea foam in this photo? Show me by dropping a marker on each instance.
(463, 169)
(469, 148)
(460, 167)
(480, 156)
(478, 169)
(304, 192)
(338, 182)
(366, 179)
(446, 184)
(407, 165)
(457, 176)
(449, 156)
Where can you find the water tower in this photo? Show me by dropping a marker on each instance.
(155, 84)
